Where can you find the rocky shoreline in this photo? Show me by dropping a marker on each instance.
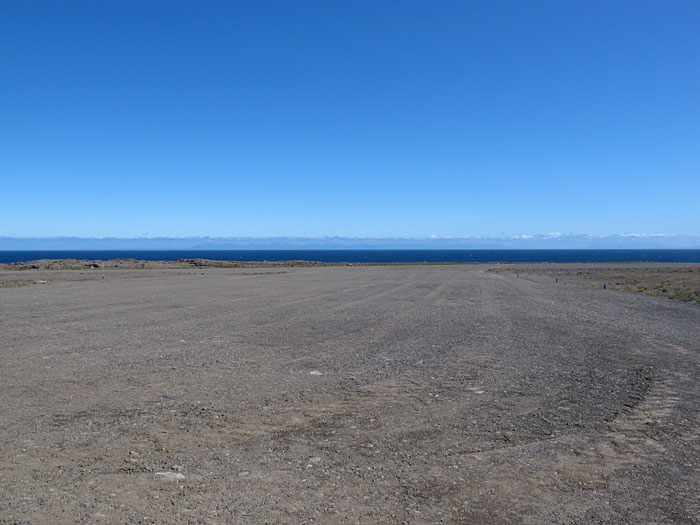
(136, 264)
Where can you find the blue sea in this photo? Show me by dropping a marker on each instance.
(368, 256)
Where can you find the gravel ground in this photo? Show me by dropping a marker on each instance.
(417, 394)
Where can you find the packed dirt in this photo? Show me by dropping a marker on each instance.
(362, 394)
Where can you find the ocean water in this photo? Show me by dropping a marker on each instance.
(367, 256)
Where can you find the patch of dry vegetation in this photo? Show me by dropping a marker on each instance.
(682, 285)
(678, 283)
(16, 283)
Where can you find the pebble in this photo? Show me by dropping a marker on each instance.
(171, 475)
(312, 461)
(243, 473)
(315, 373)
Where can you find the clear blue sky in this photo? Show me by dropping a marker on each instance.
(350, 118)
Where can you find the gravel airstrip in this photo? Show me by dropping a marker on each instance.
(357, 394)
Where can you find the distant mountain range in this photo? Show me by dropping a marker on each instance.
(542, 241)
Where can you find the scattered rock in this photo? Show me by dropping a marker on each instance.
(315, 373)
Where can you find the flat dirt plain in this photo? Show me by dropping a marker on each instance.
(376, 394)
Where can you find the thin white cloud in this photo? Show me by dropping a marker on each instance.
(646, 235)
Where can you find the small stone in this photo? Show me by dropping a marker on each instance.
(243, 473)
(315, 373)
(175, 476)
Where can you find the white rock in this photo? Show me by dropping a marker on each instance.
(315, 373)
(171, 475)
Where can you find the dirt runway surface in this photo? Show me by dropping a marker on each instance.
(416, 394)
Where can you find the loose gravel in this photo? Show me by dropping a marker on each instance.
(407, 394)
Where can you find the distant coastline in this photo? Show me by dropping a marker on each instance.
(367, 256)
